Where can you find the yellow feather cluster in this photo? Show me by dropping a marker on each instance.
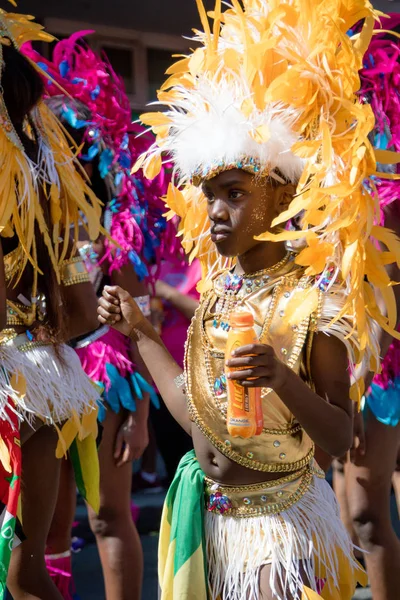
(70, 201)
(53, 185)
(22, 28)
(295, 55)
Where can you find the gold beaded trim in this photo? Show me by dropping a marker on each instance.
(316, 316)
(10, 264)
(14, 318)
(272, 508)
(8, 335)
(31, 346)
(257, 487)
(73, 271)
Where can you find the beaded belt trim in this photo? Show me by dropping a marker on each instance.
(73, 271)
(93, 337)
(266, 498)
(21, 342)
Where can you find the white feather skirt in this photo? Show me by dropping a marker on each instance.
(297, 544)
(41, 385)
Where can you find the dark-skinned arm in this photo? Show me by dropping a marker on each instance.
(326, 413)
(117, 308)
(127, 279)
(80, 303)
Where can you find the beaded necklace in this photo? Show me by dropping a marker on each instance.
(217, 382)
(229, 285)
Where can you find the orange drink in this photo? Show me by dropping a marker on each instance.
(244, 418)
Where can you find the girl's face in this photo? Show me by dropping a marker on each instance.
(240, 206)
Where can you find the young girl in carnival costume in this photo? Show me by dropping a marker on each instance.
(49, 300)
(96, 112)
(364, 488)
(264, 127)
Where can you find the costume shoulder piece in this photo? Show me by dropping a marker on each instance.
(51, 178)
(273, 89)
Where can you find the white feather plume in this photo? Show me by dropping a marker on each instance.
(209, 128)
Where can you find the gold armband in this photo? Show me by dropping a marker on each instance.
(73, 271)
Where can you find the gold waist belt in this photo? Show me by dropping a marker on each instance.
(20, 341)
(270, 497)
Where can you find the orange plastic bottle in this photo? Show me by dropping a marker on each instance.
(244, 418)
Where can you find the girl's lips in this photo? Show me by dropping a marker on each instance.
(219, 236)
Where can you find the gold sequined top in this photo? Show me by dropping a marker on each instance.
(283, 446)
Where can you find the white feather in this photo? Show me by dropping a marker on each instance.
(209, 128)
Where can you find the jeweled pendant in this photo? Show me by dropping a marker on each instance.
(220, 386)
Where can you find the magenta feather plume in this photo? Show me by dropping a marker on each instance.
(135, 216)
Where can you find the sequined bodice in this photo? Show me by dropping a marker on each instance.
(283, 446)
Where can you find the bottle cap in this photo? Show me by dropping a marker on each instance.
(241, 319)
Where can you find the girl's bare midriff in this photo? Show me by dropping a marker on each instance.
(222, 469)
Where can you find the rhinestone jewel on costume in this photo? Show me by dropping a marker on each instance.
(233, 283)
(217, 502)
(220, 386)
(326, 279)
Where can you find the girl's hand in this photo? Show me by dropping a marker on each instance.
(131, 441)
(257, 366)
(118, 309)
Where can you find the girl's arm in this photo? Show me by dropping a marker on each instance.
(80, 303)
(117, 308)
(326, 414)
(3, 292)
(127, 279)
(185, 304)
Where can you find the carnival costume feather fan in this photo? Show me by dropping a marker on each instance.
(53, 175)
(272, 89)
(134, 214)
(380, 85)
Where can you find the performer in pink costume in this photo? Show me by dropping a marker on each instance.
(90, 100)
(364, 487)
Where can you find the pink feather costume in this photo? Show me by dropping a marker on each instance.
(133, 216)
(380, 80)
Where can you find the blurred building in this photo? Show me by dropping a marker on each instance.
(139, 36)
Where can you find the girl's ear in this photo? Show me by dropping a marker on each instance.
(283, 196)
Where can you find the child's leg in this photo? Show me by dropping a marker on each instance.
(59, 538)
(396, 482)
(265, 587)
(339, 486)
(28, 578)
(58, 551)
(116, 535)
(368, 490)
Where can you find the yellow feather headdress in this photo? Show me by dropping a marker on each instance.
(272, 89)
(53, 175)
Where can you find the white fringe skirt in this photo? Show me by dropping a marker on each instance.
(302, 539)
(40, 384)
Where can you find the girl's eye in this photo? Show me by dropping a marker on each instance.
(210, 197)
(235, 194)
